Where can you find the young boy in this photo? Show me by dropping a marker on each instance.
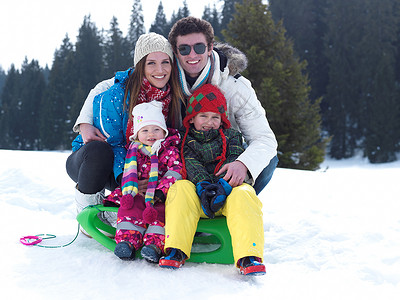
(153, 152)
(207, 145)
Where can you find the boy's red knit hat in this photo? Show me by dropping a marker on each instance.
(207, 98)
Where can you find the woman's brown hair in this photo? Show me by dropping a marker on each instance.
(134, 85)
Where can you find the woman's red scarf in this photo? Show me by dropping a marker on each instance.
(150, 93)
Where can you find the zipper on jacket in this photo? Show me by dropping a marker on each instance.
(101, 117)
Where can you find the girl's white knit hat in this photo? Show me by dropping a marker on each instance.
(149, 43)
(148, 113)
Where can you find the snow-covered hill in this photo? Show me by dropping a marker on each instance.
(329, 234)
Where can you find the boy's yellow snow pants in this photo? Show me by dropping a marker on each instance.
(242, 211)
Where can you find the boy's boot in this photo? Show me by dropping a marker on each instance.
(174, 259)
(251, 265)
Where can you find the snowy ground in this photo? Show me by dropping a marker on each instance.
(329, 234)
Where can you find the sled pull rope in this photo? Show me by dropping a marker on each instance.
(35, 240)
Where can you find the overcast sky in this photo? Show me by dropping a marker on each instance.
(36, 28)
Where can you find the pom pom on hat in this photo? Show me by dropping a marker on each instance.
(149, 43)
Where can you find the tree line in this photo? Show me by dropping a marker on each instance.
(313, 100)
(353, 54)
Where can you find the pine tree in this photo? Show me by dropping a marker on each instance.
(213, 17)
(227, 14)
(136, 25)
(160, 24)
(343, 92)
(2, 81)
(25, 106)
(276, 75)
(55, 126)
(116, 51)
(88, 54)
(86, 66)
(304, 22)
(183, 12)
(207, 14)
(396, 14)
(346, 26)
(380, 93)
(10, 100)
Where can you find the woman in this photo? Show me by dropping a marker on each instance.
(97, 165)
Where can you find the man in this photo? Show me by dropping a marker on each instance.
(192, 41)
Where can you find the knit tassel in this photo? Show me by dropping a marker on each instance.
(129, 179)
(130, 186)
(222, 157)
(183, 171)
(150, 214)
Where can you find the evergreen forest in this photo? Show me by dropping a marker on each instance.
(327, 73)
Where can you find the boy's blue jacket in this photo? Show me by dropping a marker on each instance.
(111, 119)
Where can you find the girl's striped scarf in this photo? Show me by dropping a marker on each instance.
(130, 177)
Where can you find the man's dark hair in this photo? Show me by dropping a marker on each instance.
(190, 25)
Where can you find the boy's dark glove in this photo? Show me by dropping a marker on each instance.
(213, 196)
(204, 198)
(222, 189)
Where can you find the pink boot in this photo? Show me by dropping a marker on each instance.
(130, 229)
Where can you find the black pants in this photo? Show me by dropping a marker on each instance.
(91, 167)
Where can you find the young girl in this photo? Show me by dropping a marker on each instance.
(98, 164)
(154, 155)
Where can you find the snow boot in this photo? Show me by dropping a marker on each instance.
(125, 250)
(151, 253)
(130, 235)
(174, 260)
(154, 241)
(83, 200)
(251, 265)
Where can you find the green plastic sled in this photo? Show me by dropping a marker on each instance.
(216, 242)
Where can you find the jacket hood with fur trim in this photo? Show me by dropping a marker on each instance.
(236, 59)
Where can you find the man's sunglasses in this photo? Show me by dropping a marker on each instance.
(199, 48)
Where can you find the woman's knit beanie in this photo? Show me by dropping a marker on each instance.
(149, 43)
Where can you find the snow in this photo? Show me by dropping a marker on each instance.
(329, 234)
